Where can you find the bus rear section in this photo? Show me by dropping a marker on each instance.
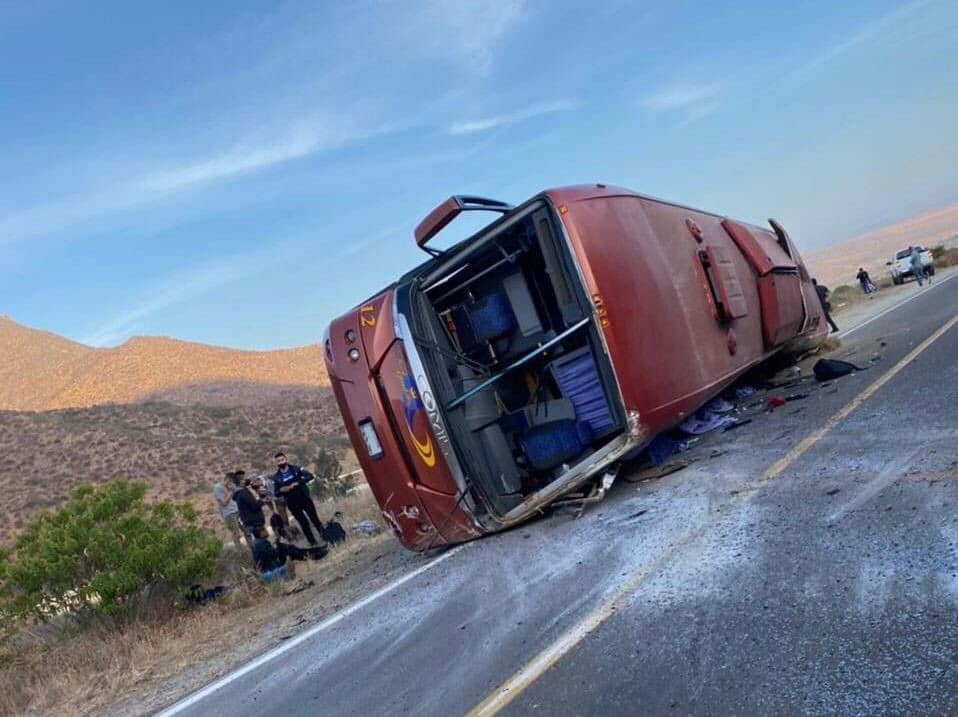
(386, 416)
(511, 346)
(478, 388)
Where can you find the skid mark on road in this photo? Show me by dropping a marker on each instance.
(783, 463)
(538, 665)
(888, 475)
(532, 670)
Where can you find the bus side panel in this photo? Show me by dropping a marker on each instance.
(669, 351)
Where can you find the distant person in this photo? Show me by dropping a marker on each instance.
(823, 292)
(865, 281)
(289, 482)
(916, 268)
(228, 510)
(249, 504)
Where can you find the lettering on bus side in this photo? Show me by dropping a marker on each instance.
(435, 422)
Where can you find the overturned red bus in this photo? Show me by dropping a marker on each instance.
(538, 353)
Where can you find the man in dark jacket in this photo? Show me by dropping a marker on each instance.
(271, 565)
(289, 482)
(822, 292)
(250, 506)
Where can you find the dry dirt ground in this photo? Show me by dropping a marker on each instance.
(139, 670)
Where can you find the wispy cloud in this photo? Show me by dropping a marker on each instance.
(471, 30)
(176, 289)
(359, 245)
(866, 33)
(245, 157)
(694, 101)
(486, 123)
(681, 96)
(295, 143)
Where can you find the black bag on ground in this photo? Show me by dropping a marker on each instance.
(828, 369)
(333, 533)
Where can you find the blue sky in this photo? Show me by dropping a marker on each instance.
(238, 173)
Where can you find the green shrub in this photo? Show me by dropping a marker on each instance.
(329, 483)
(102, 553)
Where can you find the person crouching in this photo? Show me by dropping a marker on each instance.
(271, 565)
(290, 551)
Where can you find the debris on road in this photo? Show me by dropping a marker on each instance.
(658, 471)
(365, 527)
(833, 491)
(705, 421)
(662, 448)
(829, 369)
(774, 402)
(732, 427)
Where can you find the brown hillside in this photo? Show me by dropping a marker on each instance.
(37, 365)
(178, 450)
(41, 371)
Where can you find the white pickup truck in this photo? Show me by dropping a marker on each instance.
(900, 264)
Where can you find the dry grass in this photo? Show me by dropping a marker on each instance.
(845, 296)
(948, 257)
(66, 671)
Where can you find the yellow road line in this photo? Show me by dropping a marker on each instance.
(538, 665)
(531, 671)
(785, 461)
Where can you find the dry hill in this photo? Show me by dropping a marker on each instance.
(41, 371)
(179, 450)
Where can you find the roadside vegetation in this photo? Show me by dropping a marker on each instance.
(944, 257)
(93, 596)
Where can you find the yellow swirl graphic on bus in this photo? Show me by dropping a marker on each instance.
(412, 406)
(425, 449)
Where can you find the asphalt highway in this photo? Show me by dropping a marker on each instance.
(806, 563)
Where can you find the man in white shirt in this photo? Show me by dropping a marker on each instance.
(228, 510)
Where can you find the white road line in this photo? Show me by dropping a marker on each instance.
(917, 294)
(302, 637)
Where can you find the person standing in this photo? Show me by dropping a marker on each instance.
(916, 268)
(228, 510)
(248, 504)
(865, 281)
(289, 482)
(822, 292)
